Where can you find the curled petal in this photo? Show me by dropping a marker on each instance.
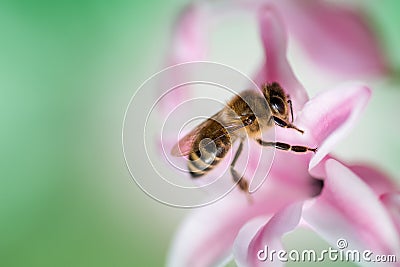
(329, 116)
(276, 67)
(257, 238)
(206, 235)
(392, 203)
(376, 179)
(379, 182)
(336, 37)
(349, 209)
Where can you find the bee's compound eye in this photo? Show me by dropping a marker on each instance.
(278, 105)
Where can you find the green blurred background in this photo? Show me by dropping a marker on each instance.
(67, 72)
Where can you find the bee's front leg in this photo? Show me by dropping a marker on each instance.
(287, 147)
(281, 123)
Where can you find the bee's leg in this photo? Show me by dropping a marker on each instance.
(291, 108)
(287, 147)
(278, 121)
(242, 182)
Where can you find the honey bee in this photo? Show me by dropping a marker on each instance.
(245, 115)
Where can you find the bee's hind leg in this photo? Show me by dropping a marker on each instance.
(237, 178)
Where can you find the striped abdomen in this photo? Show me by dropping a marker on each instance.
(207, 153)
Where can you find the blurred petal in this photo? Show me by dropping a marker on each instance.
(276, 67)
(189, 38)
(255, 236)
(329, 116)
(348, 208)
(188, 43)
(336, 37)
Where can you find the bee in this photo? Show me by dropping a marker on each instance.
(245, 116)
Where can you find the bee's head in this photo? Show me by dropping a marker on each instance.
(276, 99)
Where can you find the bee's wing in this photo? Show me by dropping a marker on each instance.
(230, 123)
(184, 146)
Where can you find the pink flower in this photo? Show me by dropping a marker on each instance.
(334, 199)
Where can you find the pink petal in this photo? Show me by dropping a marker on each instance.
(349, 209)
(189, 41)
(276, 67)
(329, 116)
(392, 203)
(256, 236)
(207, 235)
(336, 37)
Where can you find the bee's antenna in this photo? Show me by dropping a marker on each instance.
(291, 108)
(294, 127)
